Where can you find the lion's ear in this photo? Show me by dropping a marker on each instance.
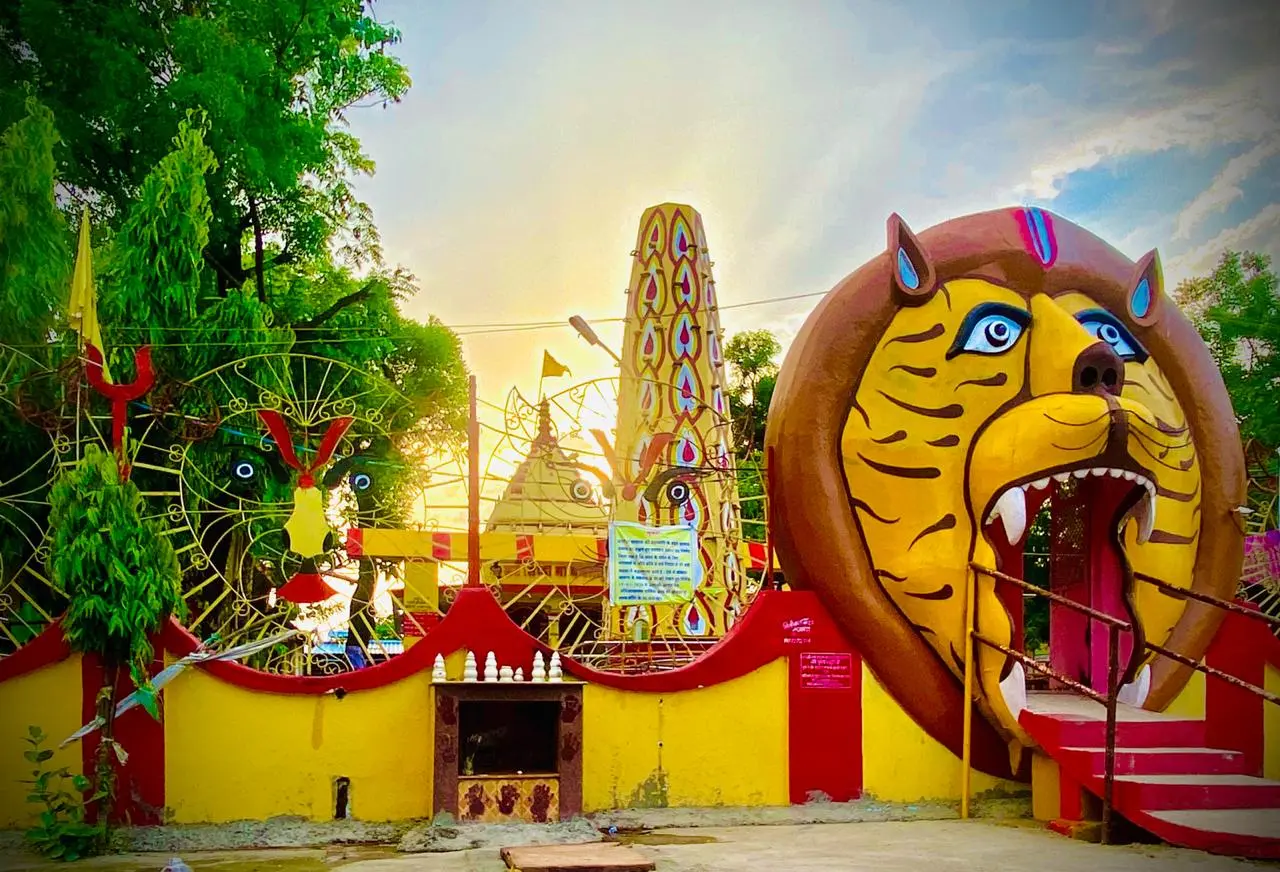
(914, 280)
(1146, 290)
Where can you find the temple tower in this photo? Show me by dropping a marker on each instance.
(672, 395)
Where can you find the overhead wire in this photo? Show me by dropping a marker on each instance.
(364, 334)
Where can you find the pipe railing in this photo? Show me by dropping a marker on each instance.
(1109, 700)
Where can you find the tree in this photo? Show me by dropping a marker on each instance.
(120, 576)
(1237, 311)
(207, 138)
(276, 81)
(752, 359)
(33, 273)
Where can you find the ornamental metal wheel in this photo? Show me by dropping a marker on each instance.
(33, 448)
(260, 467)
(551, 481)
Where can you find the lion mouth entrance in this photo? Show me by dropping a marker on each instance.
(1081, 547)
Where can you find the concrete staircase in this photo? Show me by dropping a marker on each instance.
(1167, 782)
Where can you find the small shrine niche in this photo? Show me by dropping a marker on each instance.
(513, 738)
(508, 750)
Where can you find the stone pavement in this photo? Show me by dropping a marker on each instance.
(933, 846)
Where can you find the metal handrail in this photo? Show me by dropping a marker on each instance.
(1208, 599)
(1109, 700)
(1217, 602)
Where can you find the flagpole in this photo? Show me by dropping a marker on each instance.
(80, 340)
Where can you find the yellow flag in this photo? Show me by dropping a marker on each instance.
(552, 368)
(82, 313)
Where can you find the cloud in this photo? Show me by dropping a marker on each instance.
(1243, 110)
(1259, 233)
(1225, 188)
(513, 175)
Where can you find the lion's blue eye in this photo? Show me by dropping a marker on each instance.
(361, 481)
(992, 328)
(1103, 325)
(243, 470)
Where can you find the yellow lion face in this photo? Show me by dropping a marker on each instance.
(944, 394)
(974, 410)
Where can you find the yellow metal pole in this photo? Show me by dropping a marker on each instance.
(966, 759)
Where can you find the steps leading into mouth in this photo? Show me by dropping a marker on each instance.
(1167, 781)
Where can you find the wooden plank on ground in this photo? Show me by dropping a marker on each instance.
(590, 857)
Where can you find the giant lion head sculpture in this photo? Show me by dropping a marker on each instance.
(938, 396)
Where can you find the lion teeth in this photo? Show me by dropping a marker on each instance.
(1129, 476)
(1144, 513)
(1115, 473)
(1011, 509)
(1061, 476)
(1135, 692)
(1040, 483)
(1014, 690)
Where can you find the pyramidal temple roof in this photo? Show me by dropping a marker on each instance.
(548, 490)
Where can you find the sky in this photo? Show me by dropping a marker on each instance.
(511, 178)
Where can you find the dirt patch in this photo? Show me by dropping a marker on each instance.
(442, 837)
(869, 810)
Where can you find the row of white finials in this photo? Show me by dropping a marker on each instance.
(492, 672)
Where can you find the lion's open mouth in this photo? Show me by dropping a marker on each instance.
(1090, 506)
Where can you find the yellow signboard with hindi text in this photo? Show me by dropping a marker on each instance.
(651, 565)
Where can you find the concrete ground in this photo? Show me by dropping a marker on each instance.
(933, 846)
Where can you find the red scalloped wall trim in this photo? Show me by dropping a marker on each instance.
(478, 623)
(44, 650)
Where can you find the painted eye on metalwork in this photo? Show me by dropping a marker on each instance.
(1103, 325)
(581, 491)
(244, 470)
(678, 493)
(992, 328)
(361, 481)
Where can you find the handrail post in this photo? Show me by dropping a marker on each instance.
(966, 765)
(1113, 692)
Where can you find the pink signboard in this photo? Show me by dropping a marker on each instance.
(826, 671)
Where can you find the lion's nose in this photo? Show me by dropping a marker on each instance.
(1098, 370)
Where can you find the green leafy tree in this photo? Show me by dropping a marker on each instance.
(753, 367)
(121, 580)
(277, 81)
(117, 569)
(208, 139)
(1237, 311)
(33, 235)
(33, 274)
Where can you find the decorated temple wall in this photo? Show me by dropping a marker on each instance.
(48, 697)
(903, 763)
(237, 744)
(780, 709)
(236, 754)
(647, 750)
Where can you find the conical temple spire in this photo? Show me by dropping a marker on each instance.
(673, 382)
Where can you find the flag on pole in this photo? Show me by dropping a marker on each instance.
(82, 313)
(552, 368)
